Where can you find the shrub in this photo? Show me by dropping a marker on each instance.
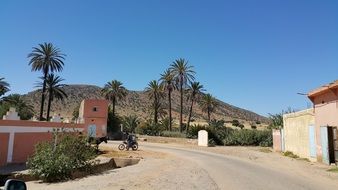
(193, 131)
(290, 154)
(247, 137)
(175, 134)
(57, 160)
(150, 128)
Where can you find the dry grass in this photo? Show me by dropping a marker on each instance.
(334, 169)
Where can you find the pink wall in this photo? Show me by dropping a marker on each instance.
(277, 144)
(18, 138)
(3, 148)
(326, 114)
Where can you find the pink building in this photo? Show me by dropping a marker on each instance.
(18, 138)
(325, 101)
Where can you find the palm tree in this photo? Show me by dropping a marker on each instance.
(4, 86)
(194, 91)
(167, 81)
(208, 104)
(46, 58)
(54, 90)
(155, 92)
(24, 109)
(182, 74)
(130, 123)
(114, 91)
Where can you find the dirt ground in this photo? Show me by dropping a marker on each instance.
(155, 171)
(158, 170)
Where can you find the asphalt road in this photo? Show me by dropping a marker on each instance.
(229, 172)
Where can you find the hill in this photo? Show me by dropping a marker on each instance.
(137, 102)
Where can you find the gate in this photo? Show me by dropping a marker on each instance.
(92, 130)
(312, 141)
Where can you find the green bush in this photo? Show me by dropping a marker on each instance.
(56, 160)
(193, 131)
(175, 134)
(150, 128)
(247, 137)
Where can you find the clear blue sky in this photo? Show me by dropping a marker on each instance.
(253, 54)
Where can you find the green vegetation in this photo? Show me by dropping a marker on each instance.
(183, 73)
(114, 91)
(4, 86)
(57, 160)
(46, 58)
(24, 109)
(333, 169)
(54, 90)
(175, 134)
(194, 94)
(130, 123)
(167, 81)
(155, 92)
(290, 154)
(208, 105)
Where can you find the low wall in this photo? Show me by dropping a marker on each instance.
(296, 132)
(277, 140)
(18, 138)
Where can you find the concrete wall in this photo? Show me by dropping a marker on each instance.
(296, 132)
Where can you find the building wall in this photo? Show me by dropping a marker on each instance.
(4, 137)
(18, 138)
(326, 114)
(296, 132)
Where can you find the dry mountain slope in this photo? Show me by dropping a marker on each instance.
(137, 102)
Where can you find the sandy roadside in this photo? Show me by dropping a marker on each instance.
(155, 171)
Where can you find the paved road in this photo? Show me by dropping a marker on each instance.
(235, 173)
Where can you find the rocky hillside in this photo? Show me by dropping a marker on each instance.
(137, 102)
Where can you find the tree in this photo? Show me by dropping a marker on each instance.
(4, 86)
(208, 104)
(194, 91)
(277, 119)
(24, 109)
(155, 92)
(167, 81)
(183, 73)
(54, 90)
(130, 123)
(46, 58)
(114, 91)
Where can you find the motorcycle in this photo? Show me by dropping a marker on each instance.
(124, 145)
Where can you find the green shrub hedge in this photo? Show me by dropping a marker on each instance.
(56, 160)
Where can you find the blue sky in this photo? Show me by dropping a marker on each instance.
(253, 54)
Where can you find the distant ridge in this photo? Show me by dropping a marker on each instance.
(137, 102)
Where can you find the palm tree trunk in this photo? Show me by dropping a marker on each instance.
(190, 113)
(170, 116)
(49, 104)
(155, 109)
(114, 102)
(209, 115)
(43, 96)
(181, 111)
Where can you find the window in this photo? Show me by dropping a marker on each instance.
(95, 109)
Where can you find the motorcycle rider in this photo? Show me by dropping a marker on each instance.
(129, 140)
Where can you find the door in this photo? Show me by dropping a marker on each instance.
(325, 145)
(282, 139)
(312, 141)
(332, 141)
(335, 138)
(92, 130)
